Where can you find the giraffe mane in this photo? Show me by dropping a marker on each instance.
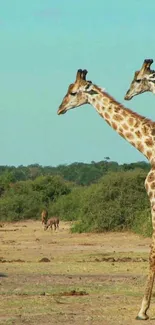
(146, 120)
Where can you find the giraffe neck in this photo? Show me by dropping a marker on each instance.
(133, 127)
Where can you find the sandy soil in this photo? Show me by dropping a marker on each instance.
(53, 277)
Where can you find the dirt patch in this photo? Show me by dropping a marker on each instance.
(2, 275)
(121, 259)
(52, 287)
(73, 293)
(9, 229)
(6, 242)
(115, 260)
(52, 242)
(11, 261)
(87, 244)
(44, 259)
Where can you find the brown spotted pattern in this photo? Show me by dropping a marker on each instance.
(135, 128)
(125, 126)
(138, 131)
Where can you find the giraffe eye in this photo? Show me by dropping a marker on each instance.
(73, 94)
(138, 80)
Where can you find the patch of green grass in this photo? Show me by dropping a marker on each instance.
(8, 321)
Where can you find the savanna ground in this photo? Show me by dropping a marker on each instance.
(58, 277)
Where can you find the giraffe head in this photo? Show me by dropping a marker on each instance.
(144, 80)
(77, 93)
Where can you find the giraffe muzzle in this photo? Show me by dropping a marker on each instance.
(127, 96)
(61, 110)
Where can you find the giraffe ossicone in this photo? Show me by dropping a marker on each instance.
(138, 130)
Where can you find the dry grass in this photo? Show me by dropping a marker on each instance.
(88, 279)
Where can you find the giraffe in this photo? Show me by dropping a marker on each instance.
(138, 130)
(144, 80)
(44, 216)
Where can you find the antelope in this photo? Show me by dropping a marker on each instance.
(52, 221)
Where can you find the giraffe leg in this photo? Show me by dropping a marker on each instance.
(150, 188)
(142, 315)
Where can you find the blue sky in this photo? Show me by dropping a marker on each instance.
(43, 43)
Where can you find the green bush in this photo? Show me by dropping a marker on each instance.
(25, 199)
(113, 203)
(19, 207)
(142, 223)
(117, 201)
(68, 207)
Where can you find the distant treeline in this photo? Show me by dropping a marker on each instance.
(100, 196)
(79, 173)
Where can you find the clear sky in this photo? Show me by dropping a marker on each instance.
(43, 43)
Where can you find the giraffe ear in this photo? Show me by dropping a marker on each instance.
(145, 67)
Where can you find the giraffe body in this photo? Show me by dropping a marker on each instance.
(138, 130)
